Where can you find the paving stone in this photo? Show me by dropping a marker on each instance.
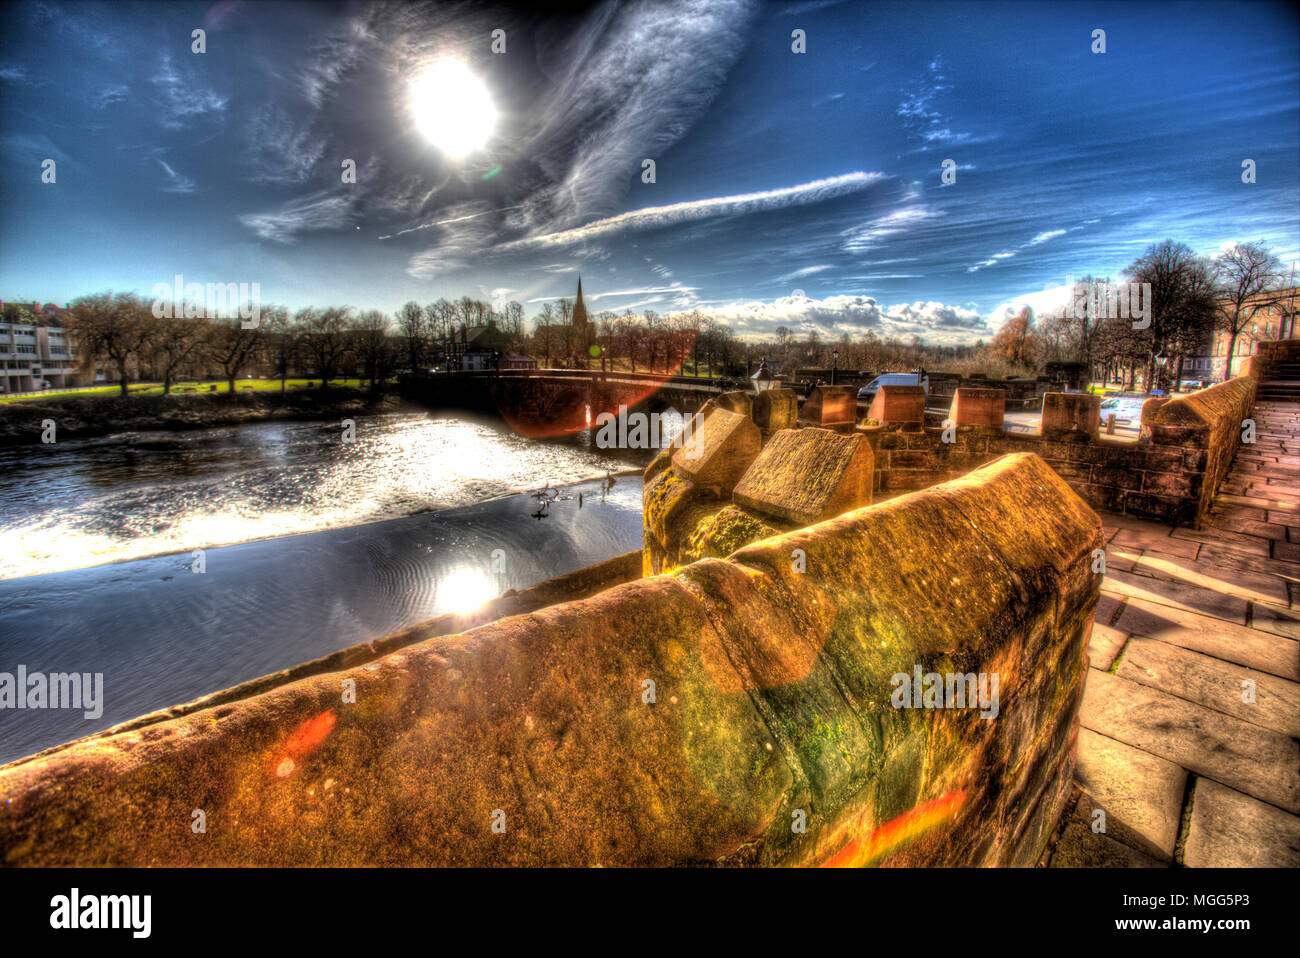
(1278, 621)
(1081, 847)
(1216, 555)
(1177, 594)
(1217, 578)
(1223, 539)
(1214, 683)
(1141, 793)
(1263, 651)
(1104, 645)
(1162, 543)
(1254, 760)
(1286, 551)
(1232, 830)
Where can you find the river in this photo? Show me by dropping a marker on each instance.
(308, 545)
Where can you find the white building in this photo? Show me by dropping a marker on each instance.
(32, 356)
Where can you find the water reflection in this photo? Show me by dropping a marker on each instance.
(76, 504)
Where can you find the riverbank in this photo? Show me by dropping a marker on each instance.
(90, 417)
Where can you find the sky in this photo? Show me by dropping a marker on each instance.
(803, 189)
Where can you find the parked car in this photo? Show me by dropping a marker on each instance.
(1127, 409)
(868, 392)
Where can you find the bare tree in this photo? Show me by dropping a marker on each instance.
(325, 339)
(111, 328)
(232, 347)
(415, 329)
(1249, 278)
(373, 346)
(175, 342)
(279, 342)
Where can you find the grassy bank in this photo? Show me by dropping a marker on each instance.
(87, 415)
(156, 389)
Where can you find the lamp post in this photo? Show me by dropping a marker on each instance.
(835, 363)
(1161, 359)
(763, 379)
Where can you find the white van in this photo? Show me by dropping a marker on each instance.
(868, 392)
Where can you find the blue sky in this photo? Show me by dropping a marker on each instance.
(790, 188)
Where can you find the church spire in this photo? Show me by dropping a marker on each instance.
(579, 310)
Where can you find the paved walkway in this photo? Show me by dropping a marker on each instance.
(1191, 719)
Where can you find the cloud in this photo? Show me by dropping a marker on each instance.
(860, 239)
(278, 150)
(176, 183)
(109, 95)
(182, 96)
(630, 83)
(319, 211)
(659, 217)
(334, 57)
(801, 273)
(1044, 237)
(855, 315)
(13, 74)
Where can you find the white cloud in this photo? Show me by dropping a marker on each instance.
(855, 315)
(801, 273)
(176, 183)
(182, 96)
(1044, 237)
(658, 217)
(319, 211)
(869, 235)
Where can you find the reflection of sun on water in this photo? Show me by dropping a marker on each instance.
(465, 589)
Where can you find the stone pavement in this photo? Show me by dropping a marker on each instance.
(1189, 767)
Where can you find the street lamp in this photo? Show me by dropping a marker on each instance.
(1161, 359)
(835, 363)
(763, 379)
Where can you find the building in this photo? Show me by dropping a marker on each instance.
(1274, 321)
(471, 348)
(516, 361)
(37, 355)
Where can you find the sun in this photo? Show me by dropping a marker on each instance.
(452, 108)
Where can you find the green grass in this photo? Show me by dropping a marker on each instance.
(184, 389)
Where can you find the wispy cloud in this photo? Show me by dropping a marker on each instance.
(1049, 234)
(319, 211)
(675, 214)
(176, 183)
(182, 96)
(860, 239)
(801, 273)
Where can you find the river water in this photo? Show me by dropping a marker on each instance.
(308, 545)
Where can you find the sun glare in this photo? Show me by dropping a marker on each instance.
(452, 107)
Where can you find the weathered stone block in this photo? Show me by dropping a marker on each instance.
(735, 401)
(775, 409)
(978, 407)
(831, 406)
(1071, 415)
(807, 475)
(719, 451)
(904, 404)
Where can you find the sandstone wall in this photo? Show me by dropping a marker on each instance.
(697, 717)
(1209, 422)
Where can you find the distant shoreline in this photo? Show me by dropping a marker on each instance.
(92, 417)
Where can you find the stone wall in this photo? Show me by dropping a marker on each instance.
(738, 711)
(1208, 423)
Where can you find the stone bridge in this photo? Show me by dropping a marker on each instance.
(555, 402)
